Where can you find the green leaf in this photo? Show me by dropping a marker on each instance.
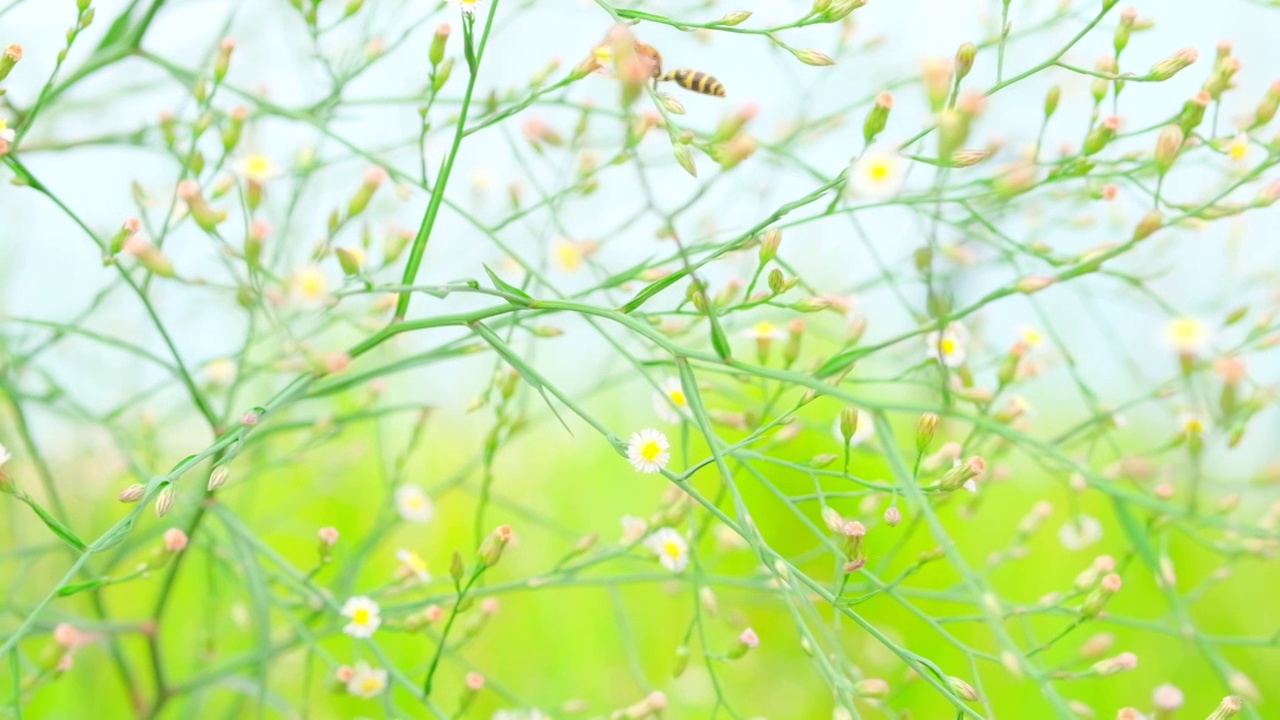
(119, 27)
(653, 289)
(115, 536)
(55, 525)
(74, 588)
(837, 363)
(718, 339)
(508, 288)
(627, 275)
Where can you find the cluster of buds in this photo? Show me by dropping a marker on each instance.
(8, 59)
(1107, 587)
(493, 545)
(1111, 666)
(1098, 137)
(441, 68)
(961, 475)
(1168, 145)
(1267, 107)
(729, 144)
(374, 177)
(954, 124)
(746, 641)
(963, 689)
(925, 429)
(1090, 576)
(204, 215)
(938, 80)
(1225, 67)
(652, 705)
(853, 533)
(1175, 63)
(538, 133)
(835, 10)
(871, 689)
(877, 117)
(1227, 709)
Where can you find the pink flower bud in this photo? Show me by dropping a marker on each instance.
(328, 535)
(175, 540)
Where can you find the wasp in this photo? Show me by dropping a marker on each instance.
(694, 80)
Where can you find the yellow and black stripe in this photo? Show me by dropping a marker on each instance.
(698, 82)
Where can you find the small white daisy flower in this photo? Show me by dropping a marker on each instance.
(1238, 148)
(6, 133)
(531, 714)
(633, 528)
(413, 504)
(310, 284)
(672, 550)
(1192, 423)
(1080, 532)
(366, 682)
(256, 168)
(948, 346)
(468, 7)
(765, 330)
(877, 174)
(866, 428)
(221, 371)
(670, 404)
(364, 615)
(1187, 335)
(1030, 335)
(648, 451)
(412, 565)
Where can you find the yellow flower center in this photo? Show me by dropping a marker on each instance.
(1238, 148)
(413, 502)
(1032, 336)
(568, 256)
(947, 346)
(311, 283)
(650, 450)
(1186, 332)
(677, 397)
(360, 616)
(879, 171)
(671, 548)
(370, 684)
(764, 328)
(1193, 426)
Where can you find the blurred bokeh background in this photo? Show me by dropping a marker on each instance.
(608, 635)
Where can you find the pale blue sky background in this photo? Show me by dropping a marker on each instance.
(49, 270)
